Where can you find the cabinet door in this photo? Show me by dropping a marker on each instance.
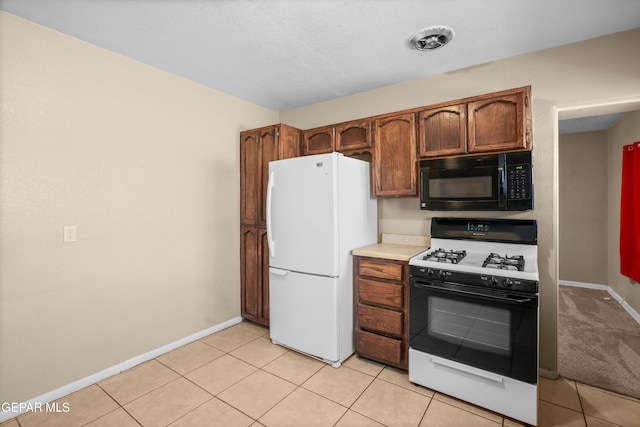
(443, 131)
(250, 175)
(257, 149)
(318, 141)
(354, 135)
(254, 274)
(249, 272)
(500, 123)
(268, 152)
(394, 156)
(263, 261)
(288, 142)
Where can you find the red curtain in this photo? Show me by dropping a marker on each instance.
(630, 212)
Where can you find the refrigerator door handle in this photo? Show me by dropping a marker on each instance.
(272, 250)
(278, 272)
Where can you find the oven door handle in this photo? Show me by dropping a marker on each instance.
(468, 369)
(519, 300)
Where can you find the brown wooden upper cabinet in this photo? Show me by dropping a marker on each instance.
(344, 137)
(443, 131)
(257, 148)
(494, 122)
(501, 122)
(318, 140)
(394, 164)
(353, 136)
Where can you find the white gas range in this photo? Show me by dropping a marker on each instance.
(473, 314)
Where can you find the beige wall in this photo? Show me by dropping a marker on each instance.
(603, 70)
(146, 165)
(583, 173)
(625, 131)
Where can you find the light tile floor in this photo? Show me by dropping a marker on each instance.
(236, 377)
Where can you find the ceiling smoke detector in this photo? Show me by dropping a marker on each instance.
(432, 38)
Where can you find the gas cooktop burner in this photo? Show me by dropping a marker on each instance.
(441, 255)
(506, 262)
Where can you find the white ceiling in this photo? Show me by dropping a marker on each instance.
(284, 54)
(588, 124)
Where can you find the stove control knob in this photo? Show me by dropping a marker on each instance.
(429, 272)
(493, 281)
(507, 283)
(442, 273)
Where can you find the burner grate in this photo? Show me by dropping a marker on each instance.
(441, 255)
(504, 262)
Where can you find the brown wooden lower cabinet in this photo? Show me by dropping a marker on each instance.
(254, 274)
(381, 317)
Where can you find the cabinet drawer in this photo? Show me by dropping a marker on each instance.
(383, 293)
(382, 269)
(377, 347)
(388, 322)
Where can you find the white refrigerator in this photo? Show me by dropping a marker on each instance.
(319, 208)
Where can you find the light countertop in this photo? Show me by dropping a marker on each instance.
(395, 246)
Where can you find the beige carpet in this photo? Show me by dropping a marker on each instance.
(598, 341)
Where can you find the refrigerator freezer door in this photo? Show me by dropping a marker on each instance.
(302, 214)
(304, 313)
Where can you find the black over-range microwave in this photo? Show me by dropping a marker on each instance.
(490, 182)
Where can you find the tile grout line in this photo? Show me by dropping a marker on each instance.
(424, 414)
(117, 403)
(584, 414)
(362, 393)
(258, 368)
(214, 396)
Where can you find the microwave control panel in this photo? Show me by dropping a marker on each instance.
(518, 182)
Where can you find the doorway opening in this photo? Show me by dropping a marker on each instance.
(588, 227)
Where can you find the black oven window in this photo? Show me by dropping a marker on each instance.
(461, 187)
(470, 325)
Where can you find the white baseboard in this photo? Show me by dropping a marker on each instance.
(109, 372)
(583, 285)
(552, 375)
(611, 292)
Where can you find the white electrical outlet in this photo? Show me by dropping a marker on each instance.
(69, 233)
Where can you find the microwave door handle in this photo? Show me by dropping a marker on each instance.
(502, 184)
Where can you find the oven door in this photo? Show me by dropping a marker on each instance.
(490, 329)
(463, 183)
